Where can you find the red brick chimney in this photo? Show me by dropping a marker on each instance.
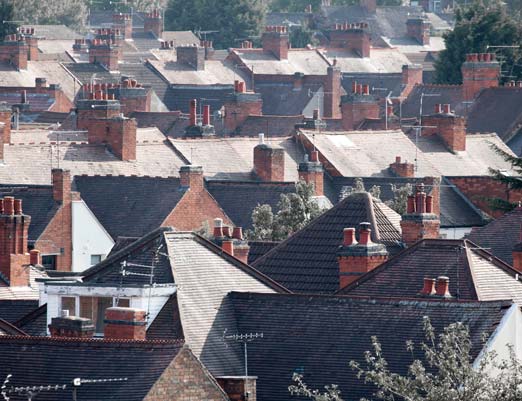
(97, 107)
(123, 22)
(358, 258)
(402, 169)
(450, 127)
(14, 50)
(14, 227)
(5, 118)
(428, 288)
(332, 92)
(479, 71)
(117, 133)
(420, 221)
(61, 180)
(191, 177)
(311, 171)
(411, 76)
(276, 40)
(104, 53)
(442, 287)
(354, 37)
(131, 95)
(358, 106)
(71, 326)
(419, 29)
(125, 323)
(269, 161)
(153, 23)
(369, 5)
(240, 105)
(32, 43)
(241, 247)
(192, 56)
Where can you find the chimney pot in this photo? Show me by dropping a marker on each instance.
(316, 114)
(226, 231)
(411, 204)
(261, 138)
(193, 106)
(9, 205)
(349, 237)
(447, 109)
(228, 247)
(314, 156)
(218, 228)
(364, 233)
(429, 286)
(442, 287)
(35, 258)
(237, 233)
(206, 115)
(438, 108)
(18, 206)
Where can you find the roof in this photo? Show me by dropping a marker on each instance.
(55, 32)
(167, 324)
(26, 293)
(164, 121)
(392, 82)
(34, 323)
(273, 125)
(32, 154)
(215, 72)
(281, 99)
(307, 260)
(287, 18)
(358, 154)
(381, 60)
(12, 310)
(211, 95)
(36, 101)
(35, 361)
(473, 273)
(180, 37)
(145, 74)
(232, 158)
(130, 206)
(7, 329)
(500, 236)
(444, 94)
(318, 336)
(259, 248)
(239, 199)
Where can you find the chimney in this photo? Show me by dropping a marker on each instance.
(218, 231)
(358, 106)
(429, 287)
(241, 247)
(105, 53)
(402, 169)
(442, 287)
(14, 50)
(358, 258)
(61, 180)
(131, 95)
(32, 43)
(369, 5)
(517, 254)
(191, 177)
(14, 227)
(208, 45)
(239, 106)
(196, 130)
(35, 257)
(451, 128)
(123, 22)
(192, 56)
(420, 221)
(479, 71)
(5, 118)
(125, 323)
(276, 40)
(71, 326)
(311, 171)
(39, 84)
(298, 81)
(411, 76)
(332, 92)
(153, 23)
(117, 133)
(269, 161)
(354, 37)
(97, 107)
(419, 30)
(228, 246)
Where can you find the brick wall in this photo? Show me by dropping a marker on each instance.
(276, 41)
(356, 111)
(186, 379)
(269, 163)
(411, 76)
(239, 107)
(332, 93)
(192, 56)
(353, 267)
(153, 23)
(451, 129)
(124, 23)
(14, 50)
(118, 133)
(480, 71)
(418, 29)
(354, 37)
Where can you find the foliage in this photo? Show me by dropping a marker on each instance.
(127, 5)
(447, 371)
(233, 19)
(295, 210)
(358, 186)
(72, 13)
(300, 37)
(476, 27)
(399, 202)
(513, 182)
(7, 14)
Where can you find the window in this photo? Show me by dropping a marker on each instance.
(69, 304)
(94, 308)
(123, 302)
(95, 259)
(49, 262)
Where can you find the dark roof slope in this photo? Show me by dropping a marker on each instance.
(390, 82)
(500, 236)
(239, 199)
(445, 94)
(7, 329)
(212, 95)
(307, 261)
(144, 74)
(259, 248)
(35, 322)
(318, 336)
(270, 125)
(84, 72)
(129, 206)
(167, 324)
(12, 310)
(35, 361)
(281, 99)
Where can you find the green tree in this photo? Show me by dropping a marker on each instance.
(262, 223)
(300, 37)
(400, 198)
(72, 13)
(476, 27)
(446, 372)
(7, 14)
(232, 19)
(512, 181)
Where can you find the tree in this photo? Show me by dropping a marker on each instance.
(300, 37)
(513, 182)
(476, 27)
(295, 210)
(399, 202)
(447, 371)
(232, 19)
(72, 13)
(7, 14)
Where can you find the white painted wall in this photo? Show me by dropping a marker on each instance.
(88, 237)
(454, 233)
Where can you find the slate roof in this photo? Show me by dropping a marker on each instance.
(164, 121)
(60, 360)
(259, 248)
(241, 198)
(474, 274)
(36, 101)
(180, 37)
(34, 323)
(307, 260)
(318, 336)
(381, 60)
(43, 117)
(7, 329)
(281, 99)
(501, 235)
(23, 293)
(13, 310)
(84, 72)
(212, 95)
(167, 324)
(270, 125)
(55, 32)
(392, 82)
(146, 75)
(445, 94)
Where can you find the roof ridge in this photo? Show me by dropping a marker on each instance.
(97, 341)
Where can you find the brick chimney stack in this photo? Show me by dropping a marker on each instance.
(131, 95)
(517, 254)
(241, 247)
(192, 56)
(197, 129)
(98, 106)
(106, 53)
(32, 43)
(276, 40)
(428, 288)
(411, 76)
(358, 258)
(419, 29)
(354, 37)
(14, 50)
(153, 23)
(269, 161)
(450, 127)
(191, 177)
(239, 105)
(5, 118)
(402, 169)
(332, 92)
(61, 180)
(123, 22)
(420, 221)
(71, 326)
(14, 227)
(358, 106)
(117, 133)
(125, 323)
(311, 171)
(479, 71)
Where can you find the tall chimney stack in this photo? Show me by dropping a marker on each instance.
(479, 71)
(276, 40)
(269, 161)
(125, 323)
(311, 171)
(420, 221)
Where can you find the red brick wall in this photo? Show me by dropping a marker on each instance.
(236, 112)
(411, 76)
(57, 238)
(5, 117)
(451, 128)
(353, 267)
(417, 229)
(332, 93)
(14, 52)
(354, 113)
(118, 133)
(269, 163)
(357, 40)
(153, 23)
(124, 23)
(315, 177)
(186, 379)
(138, 103)
(235, 388)
(477, 76)
(419, 29)
(276, 43)
(32, 44)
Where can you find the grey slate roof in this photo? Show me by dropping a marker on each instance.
(13, 310)
(318, 336)
(307, 260)
(146, 75)
(213, 95)
(84, 72)
(444, 94)
(280, 99)
(391, 82)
